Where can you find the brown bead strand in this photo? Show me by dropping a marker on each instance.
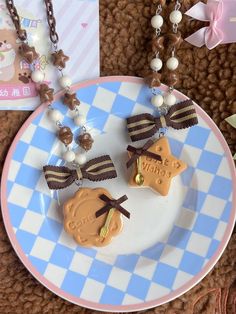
(28, 53)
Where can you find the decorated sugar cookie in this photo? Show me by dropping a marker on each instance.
(154, 166)
(92, 217)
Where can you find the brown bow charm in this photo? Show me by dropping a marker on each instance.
(112, 203)
(97, 169)
(137, 152)
(180, 116)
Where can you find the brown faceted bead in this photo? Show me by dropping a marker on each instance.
(71, 101)
(86, 141)
(59, 59)
(158, 43)
(65, 135)
(172, 78)
(45, 93)
(153, 79)
(175, 39)
(28, 53)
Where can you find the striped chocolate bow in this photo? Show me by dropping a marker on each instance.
(180, 116)
(97, 169)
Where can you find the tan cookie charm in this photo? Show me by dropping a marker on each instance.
(92, 217)
(154, 166)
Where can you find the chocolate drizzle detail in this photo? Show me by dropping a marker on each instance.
(180, 116)
(112, 203)
(141, 151)
(97, 169)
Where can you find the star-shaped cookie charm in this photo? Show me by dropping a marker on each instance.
(71, 101)
(45, 93)
(28, 53)
(157, 174)
(59, 59)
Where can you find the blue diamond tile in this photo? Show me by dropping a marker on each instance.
(42, 133)
(73, 283)
(138, 287)
(97, 118)
(144, 97)
(176, 147)
(205, 225)
(86, 251)
(28, 176)
(154, 252)
(227, 211)
(50, 230)
(16, 214)
(111, 86)
(20, 151)
(122, 106)
(194, 200)
(164, 275)
(221, 187)
(179, 237)
(197, 136)
(127, 262)
(112, 296)
(39, 202)
(37, 119)
(26, 240)
(191, 263)
(209, 162)
(99, 271)
(39, 264)
(87, 94)
(212, 248)
(187, 175)
(62, 256)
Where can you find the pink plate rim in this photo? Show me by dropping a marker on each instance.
(93, 305)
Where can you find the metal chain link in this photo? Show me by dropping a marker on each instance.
(51, 22)
(16, 20)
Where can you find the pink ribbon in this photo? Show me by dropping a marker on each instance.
(211, 35)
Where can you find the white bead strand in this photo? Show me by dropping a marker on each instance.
(172, 63)
(156, 64)
(169, 100)
(69, 156)
(54, 115)
(80, 159)
(157, 21)
(157, 100)
(65, 81)
(176, 17)
(37, 76)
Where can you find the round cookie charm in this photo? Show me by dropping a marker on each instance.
(92, 217)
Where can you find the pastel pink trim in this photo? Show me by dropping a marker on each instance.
(93, 305)
(17, 91)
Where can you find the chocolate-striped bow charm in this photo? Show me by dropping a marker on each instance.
(97, 169)
(180, 116)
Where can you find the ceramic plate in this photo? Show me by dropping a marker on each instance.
(169, 244)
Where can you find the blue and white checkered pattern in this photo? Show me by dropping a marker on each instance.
(124, 279)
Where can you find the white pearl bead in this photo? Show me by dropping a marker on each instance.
(80, 159)
(156, 64)
(54, 115)
(37, 76)
(172, 63)
(157, 100)
(169, 99)
(79, 120)
(157, 21)
(65, 81)
(69, 156)
(175, 17)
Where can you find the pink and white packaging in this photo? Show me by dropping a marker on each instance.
(221, 16)
(78, 30)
